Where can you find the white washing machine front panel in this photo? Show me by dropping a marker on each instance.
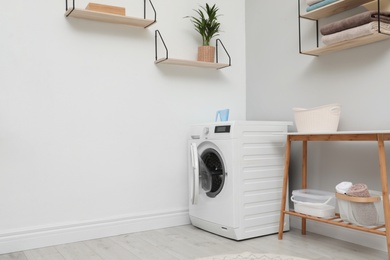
(218, 209)
(252, 153)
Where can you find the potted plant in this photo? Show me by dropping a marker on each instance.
(207, 25)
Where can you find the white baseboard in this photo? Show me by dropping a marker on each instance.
(18, 240)
(350, 235)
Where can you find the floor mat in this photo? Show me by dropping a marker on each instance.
(251, 256)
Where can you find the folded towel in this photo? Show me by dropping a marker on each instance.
(343, 187)
(312, 2)
(358, 190)
(364, 213)
(354, 33)
(319, 4)
(354, 21)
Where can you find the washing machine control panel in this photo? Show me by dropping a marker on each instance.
(222, 129)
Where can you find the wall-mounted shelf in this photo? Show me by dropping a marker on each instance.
(110, 18)
(199, 64)
(347, 44)
(181, 62)
(332, 9)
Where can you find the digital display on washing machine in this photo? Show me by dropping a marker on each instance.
(222, 129)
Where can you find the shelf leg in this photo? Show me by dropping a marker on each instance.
(284, 189)
(304, 178)
(385, 192)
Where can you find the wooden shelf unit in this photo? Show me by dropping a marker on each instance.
(375, 136)
(332, 9)
(190, 63)
(110, 18)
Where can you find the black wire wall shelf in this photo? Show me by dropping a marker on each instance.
(181, 62)
(332, 9)
(110, 18)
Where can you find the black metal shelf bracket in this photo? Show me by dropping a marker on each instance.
(66, 7)
(145, 7)
(299, 26)
(216, 50)
(157, 35)
(379, 20)
(154, 10)
(300, 33)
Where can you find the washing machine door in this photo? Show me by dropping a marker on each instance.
(194, 183)
(208, 172)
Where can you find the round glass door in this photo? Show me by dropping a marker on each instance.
(211, 172)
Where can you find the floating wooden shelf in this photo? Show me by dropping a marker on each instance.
(334, 8)
(347, 44)
(108, 18)
(199, 64)
(181, 62)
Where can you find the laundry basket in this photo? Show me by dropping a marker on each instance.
(318, 119)
(314, 202)
(371, 208)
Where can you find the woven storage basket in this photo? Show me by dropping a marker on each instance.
(318, 119)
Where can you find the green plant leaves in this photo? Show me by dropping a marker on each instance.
(207, 27)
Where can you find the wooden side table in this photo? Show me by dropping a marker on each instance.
(378, 136)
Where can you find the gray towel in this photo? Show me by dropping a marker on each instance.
(364, 213)
(354, 21)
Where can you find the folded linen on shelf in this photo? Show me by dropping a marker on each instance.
(319, 4)
(354, 21)
(343, 187)
(312, 2)
(356, 32)
(364, 213)
(358, 190)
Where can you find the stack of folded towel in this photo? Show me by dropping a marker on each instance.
(315, 4)
(343, 187)
(364, 213)
(356, 26)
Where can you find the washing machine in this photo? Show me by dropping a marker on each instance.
(236, 173)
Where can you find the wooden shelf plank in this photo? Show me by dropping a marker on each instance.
(335, 221)
(334, 8)
(108, 18)
(348, 44)
(199, 64)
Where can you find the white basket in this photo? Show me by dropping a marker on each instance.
(314, 202)
(350, 210)
(318, 119)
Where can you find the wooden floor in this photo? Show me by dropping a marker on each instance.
(188, 242)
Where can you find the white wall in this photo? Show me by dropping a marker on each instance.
(279, 78)
(92, 132)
